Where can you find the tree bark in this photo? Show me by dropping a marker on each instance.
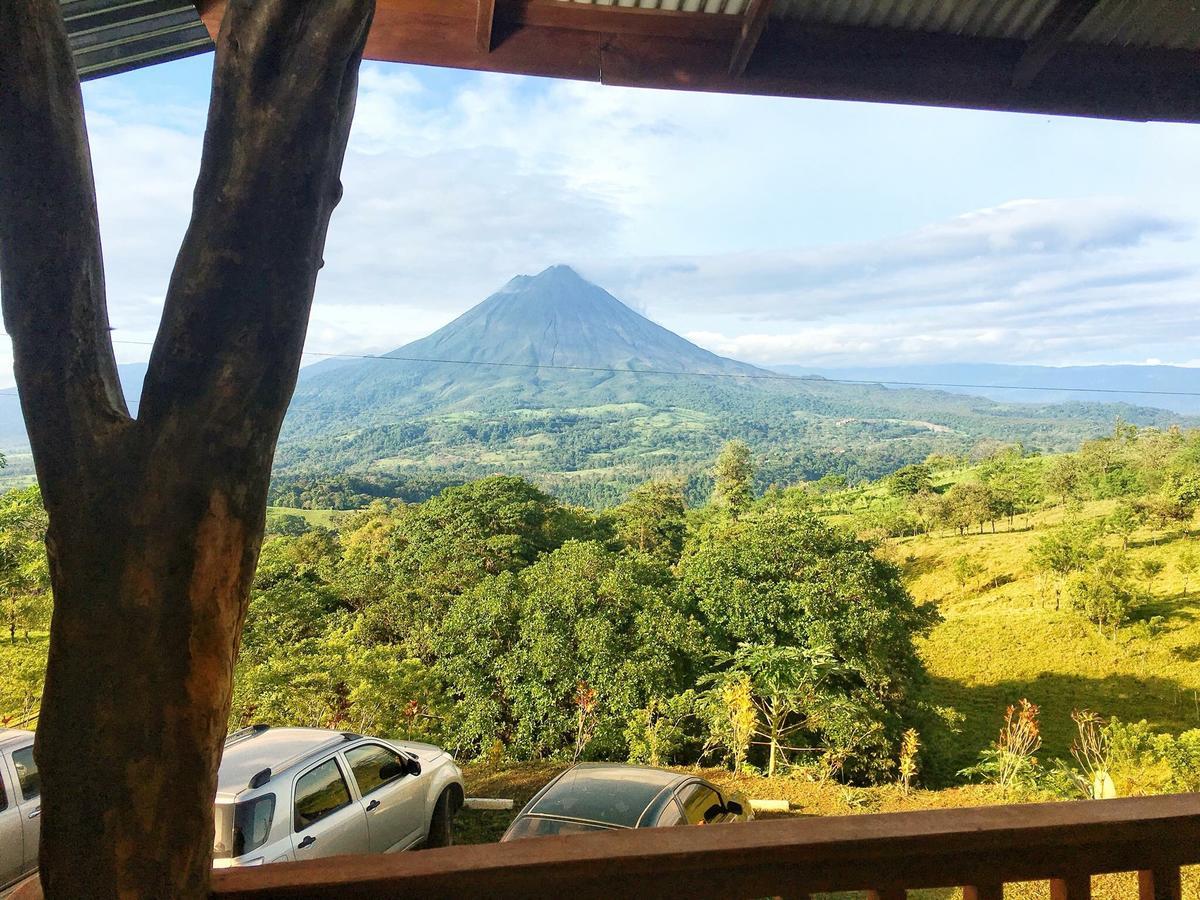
(155, 523)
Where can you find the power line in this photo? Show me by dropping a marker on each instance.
(764, 376)
(745, 376)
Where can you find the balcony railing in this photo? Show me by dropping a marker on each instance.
(978, 849)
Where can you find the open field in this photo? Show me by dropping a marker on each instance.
(323, 517)
(1002, 639)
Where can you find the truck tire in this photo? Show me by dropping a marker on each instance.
(441, 824)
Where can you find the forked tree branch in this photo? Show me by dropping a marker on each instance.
(238, 304)
(51, 274)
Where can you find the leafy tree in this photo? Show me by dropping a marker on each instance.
(1061, 553)
(1124, 521)
(781, 577)
(787, 687)
(418, 559)
(830, 483)
(515, 648)
(969, 503)
(287, 524)
(651, 520)
(966, 568)
(1150, 568)
(1062, 478)
(733, 477)
(928, 508)
(733, 718)
(1186, 564)
(1102, 591)
(332, 681)
(662, 730)
(24, 572)
(910, 480)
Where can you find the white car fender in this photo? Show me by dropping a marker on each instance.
(447, 773)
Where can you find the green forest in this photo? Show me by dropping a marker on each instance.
(881, 633)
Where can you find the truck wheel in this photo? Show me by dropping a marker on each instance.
(441, 825)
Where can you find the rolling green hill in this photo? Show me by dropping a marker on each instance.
(1001, 638)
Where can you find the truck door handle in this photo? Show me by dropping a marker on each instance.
(374, 804)
(307, 842)
(37, 811)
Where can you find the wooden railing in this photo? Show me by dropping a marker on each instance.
(979, 849)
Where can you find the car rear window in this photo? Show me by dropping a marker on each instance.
(613, 796)
(536, 826)
(242, 827)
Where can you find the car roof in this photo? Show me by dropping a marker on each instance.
(249, 751)
(14, 737)
(604, 792)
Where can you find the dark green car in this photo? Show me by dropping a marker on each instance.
(606, 796)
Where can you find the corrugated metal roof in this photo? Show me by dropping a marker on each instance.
(1121, 23)
(976, 18)
(727, 7)
(1143, 23)
(110, 36)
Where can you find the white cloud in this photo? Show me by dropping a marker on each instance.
(777, 230)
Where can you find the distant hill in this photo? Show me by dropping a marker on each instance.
(1036, 383)
(555, 378)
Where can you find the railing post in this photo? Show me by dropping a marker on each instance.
(1160, 883)
(1071, 887)
(983, 891)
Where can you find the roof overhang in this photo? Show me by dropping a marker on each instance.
(1123, 59)
(111, 36)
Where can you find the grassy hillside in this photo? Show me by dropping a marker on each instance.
(1002, 639)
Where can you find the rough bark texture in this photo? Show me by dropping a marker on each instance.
(156, 522)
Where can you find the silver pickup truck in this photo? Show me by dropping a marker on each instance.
(20, 806)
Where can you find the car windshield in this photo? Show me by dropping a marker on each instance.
(536, 826)
(242, 827)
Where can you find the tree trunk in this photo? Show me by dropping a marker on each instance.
(155, 523)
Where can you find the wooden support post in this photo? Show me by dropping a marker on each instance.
(1071, 887)
(993, 891)
(753, 24)
(485, 16)
(1160, 883)
(155, 523)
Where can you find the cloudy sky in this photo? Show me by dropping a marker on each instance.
(778, 231)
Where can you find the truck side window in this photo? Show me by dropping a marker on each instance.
(27, 773)
(320, 793)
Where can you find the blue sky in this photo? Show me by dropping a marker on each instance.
(770, 229)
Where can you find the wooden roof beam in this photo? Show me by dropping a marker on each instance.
(485, 16)
(634, 47)
(754, 23)
(1062, 21)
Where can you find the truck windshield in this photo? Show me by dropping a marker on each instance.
(242, 827)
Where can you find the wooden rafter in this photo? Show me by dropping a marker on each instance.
(635, 47)
(485, 16)
(754, 23)
(1062, 21)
